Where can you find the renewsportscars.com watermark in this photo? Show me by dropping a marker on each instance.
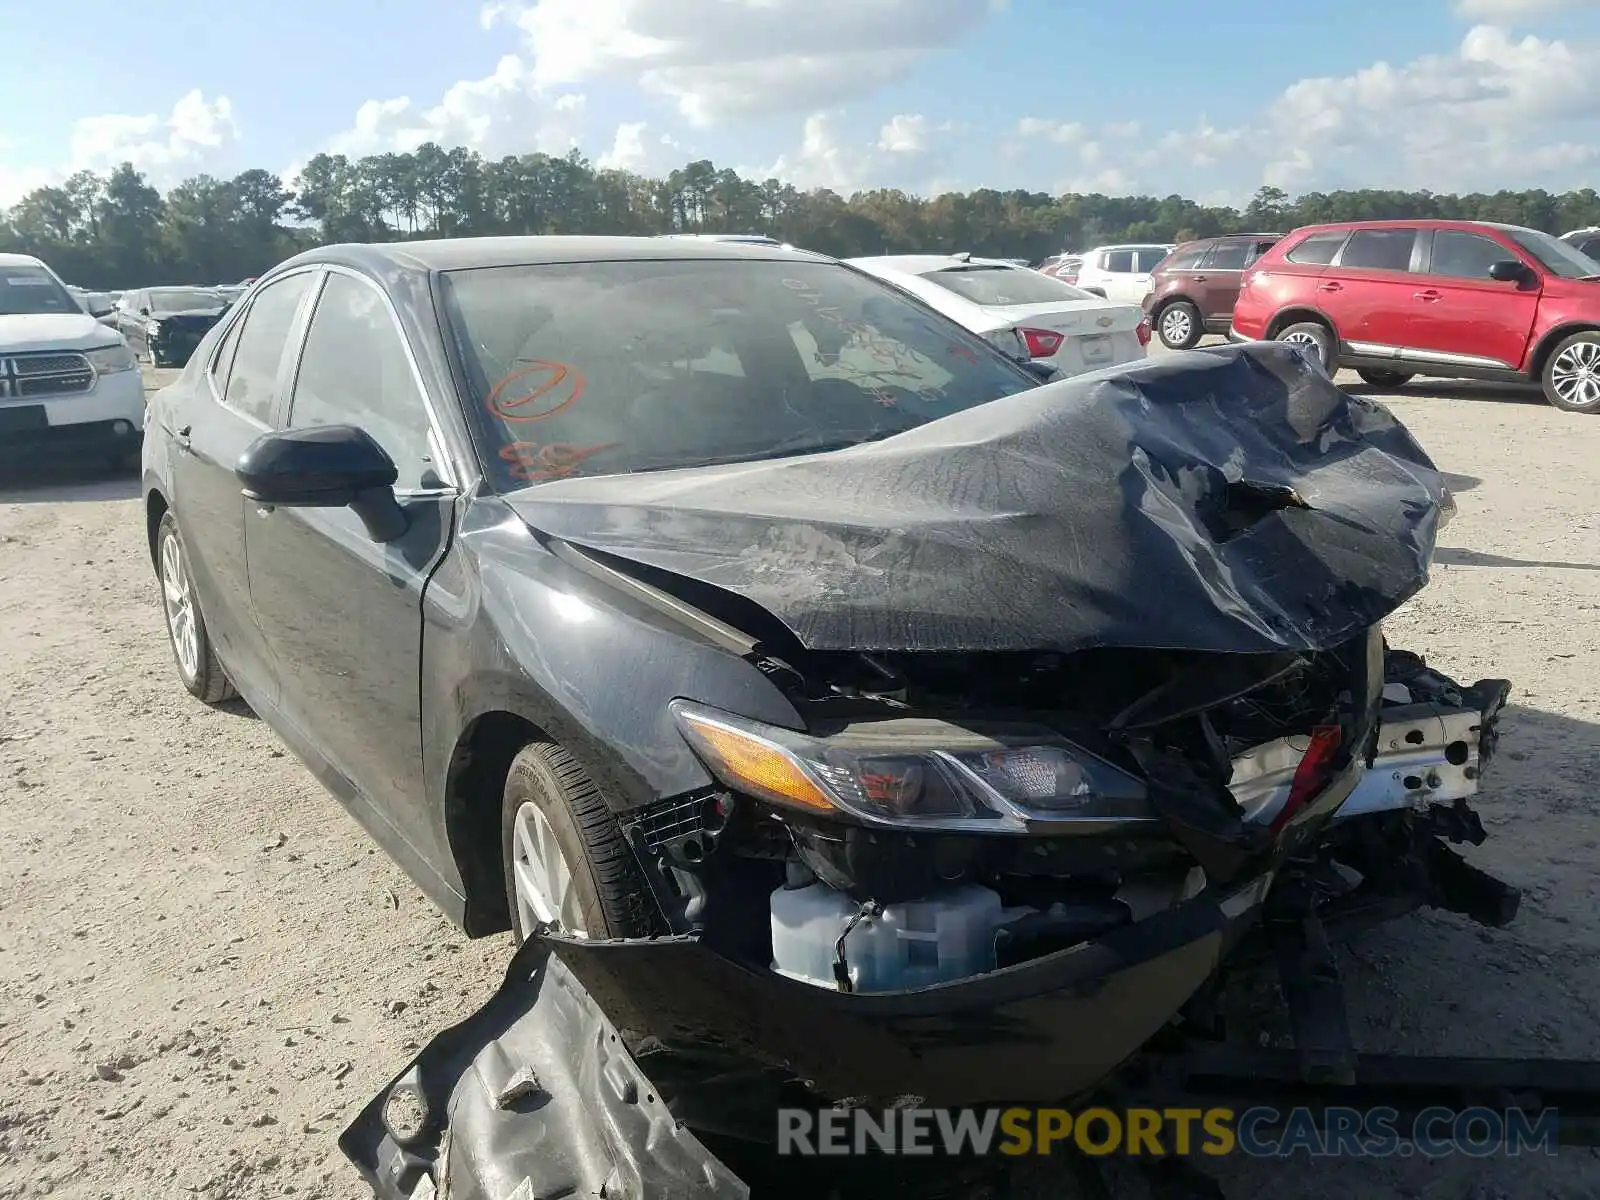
(1260, 1132)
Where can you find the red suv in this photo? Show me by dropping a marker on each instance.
(1460, 299)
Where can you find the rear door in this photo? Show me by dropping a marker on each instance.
(1131, 288)
(341, 612)
(213, 423)
(1370, 287)
(1217, 281)
(1461, 317)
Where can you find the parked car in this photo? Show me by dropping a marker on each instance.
(1193, 289)
(1061, 266)
(1120, 272)
(1585, 241)
(67, 383)
(1021, 312)
(1460, 299)
(165, 324)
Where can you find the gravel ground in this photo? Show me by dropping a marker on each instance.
(206, 969)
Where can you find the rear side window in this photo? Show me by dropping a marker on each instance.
(606, 368)
(1119, 261)
(1257, 249)
(1465, 255)
(993, 286)
(1379, 249)
(1149, 258)
(1228, 256)
(222, 361)
(260, 350)
(1317, 250)
(354, 370)
(1186, 259)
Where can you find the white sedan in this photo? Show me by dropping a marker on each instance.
(1026, 314)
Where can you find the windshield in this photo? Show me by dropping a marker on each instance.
(27, 290)
(1554, 255)
(995, 285)
(177, 300)
(613, 367)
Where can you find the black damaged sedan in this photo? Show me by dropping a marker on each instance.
(826, 705)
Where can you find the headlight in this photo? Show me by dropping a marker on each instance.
(108, 360)
(922, 773)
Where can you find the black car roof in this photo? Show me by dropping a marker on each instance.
(456, 254)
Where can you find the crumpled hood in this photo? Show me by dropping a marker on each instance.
(1156, 506)
(49, 331)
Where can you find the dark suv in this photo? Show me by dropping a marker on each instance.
(1194, 287)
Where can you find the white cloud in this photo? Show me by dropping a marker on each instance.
(195, 135)
(717, 59)
(627, 151)
(1499, 111)
(905, 133)
(1064, 133)
(1512, 10)
(822, 160)
(504, 112)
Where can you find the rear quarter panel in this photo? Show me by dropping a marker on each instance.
(1271, 286)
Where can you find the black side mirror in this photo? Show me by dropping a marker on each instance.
(1510, 270)
(325, 466)
(1043, 370)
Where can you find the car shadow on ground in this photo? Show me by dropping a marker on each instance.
(1453, 389)
(1454, 556)
(66, 482)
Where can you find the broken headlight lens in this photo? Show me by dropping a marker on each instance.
(919, 772)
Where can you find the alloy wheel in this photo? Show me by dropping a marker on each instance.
(545, 891)
(1175, 326)
(1575, 374)
(178, 600)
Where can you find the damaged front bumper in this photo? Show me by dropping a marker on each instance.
(588, 1069)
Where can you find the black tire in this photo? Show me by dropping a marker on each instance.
(1576, 358)
(1188, 326)
(612, 895)
(1316, 333)
(208, 682)
(1378, 378)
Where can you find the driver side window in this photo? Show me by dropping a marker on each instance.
(355, 371)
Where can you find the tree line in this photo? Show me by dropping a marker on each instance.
(117, 231)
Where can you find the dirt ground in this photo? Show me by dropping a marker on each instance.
(206, 969)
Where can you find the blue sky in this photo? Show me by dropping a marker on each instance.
(1210, 100)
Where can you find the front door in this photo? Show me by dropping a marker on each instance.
(212, 424)
(341, 612)
(1461, 317)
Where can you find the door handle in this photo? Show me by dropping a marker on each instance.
(1330, 287)
(182, 438)
(1199, 278)
(1429, 295)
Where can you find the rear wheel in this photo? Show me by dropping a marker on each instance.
(1384, 379)
(1180, 325)
(1571, 375)
(567, 864)
(197, 663)
(1314, 336)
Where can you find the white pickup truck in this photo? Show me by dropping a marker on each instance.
(69, 386)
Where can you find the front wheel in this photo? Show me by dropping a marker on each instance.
(567, 864)
(1379, 378)
(1180, 325)
(198, 666)
(1571, 375)
(1313, 335)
